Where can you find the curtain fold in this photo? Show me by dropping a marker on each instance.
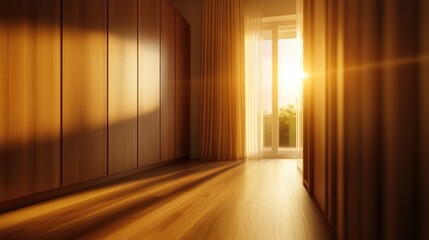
(223, 103)
(231, 99)
(253, 79)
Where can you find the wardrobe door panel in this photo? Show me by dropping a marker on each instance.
(122, 69)
(149, 82)
(29, 97)
(84, 90)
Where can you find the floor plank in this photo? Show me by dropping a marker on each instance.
(190, 200)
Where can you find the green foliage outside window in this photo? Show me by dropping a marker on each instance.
(287, 127)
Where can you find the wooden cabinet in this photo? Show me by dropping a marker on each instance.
(84, 90)
(89, 88)
(149, 82)
(182, 87)
(122, 90)
(30, 97)
(168, 79)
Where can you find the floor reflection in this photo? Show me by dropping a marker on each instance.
(189, 200)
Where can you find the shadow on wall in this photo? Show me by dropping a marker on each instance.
(31, 146)
(76, 15)
(32, 163)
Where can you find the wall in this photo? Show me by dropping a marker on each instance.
(424, 120)
(192, 12)
(376, 116)
(278, 7)
(84, 92)
(30, 90)
(319, 83)
(316, 106)
(74, 101)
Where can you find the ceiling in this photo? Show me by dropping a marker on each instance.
(278, 7)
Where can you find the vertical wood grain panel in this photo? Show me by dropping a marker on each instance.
(352, 101)
(331, 151)
(29, 97)
(319, 92)
(168, 95)
(400, 130)
(371, 38)
(340, 95)
(122, 85)
(308, 25)
(149, 82)
(3, 96)
(84, 90)
(424, 120)
(182, 87)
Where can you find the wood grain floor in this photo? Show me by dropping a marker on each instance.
(188, 200)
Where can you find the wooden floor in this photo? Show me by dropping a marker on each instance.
(261, 199)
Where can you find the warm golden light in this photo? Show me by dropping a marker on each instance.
(283, 78)
(294, 78)
(302, 75)
(291, 74)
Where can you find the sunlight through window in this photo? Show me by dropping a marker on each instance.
(282, 76)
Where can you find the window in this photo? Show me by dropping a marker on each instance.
(281, 87)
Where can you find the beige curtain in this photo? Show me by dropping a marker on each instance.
(253, 79)
(223, 66)
(231, 83)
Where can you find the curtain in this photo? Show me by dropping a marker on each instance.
(231, 99)
(223, 99)
(253, 79)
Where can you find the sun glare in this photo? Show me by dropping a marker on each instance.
(291, 75)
